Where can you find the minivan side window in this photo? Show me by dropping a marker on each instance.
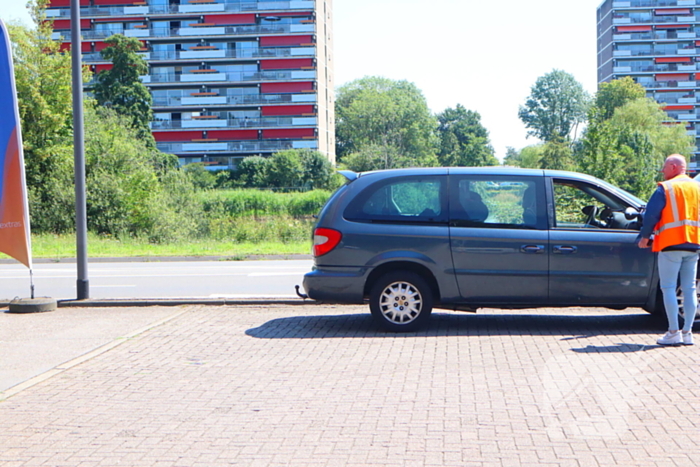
(498, 202)
(402, 199)
(579, 205)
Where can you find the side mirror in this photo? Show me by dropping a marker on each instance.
(631, 214)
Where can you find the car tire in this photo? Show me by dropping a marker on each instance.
(401, 301)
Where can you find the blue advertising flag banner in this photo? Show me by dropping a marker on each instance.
(15, 239)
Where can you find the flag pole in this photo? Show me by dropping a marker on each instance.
(82, 284)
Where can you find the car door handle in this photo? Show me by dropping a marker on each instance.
(564, 249)
(532, 248)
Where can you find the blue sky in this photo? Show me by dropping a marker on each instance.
(485, 55)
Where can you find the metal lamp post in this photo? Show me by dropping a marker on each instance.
(82, 284)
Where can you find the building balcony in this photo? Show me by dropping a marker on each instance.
(245, 100)
(265, 122)
(649, 36)
(670, 84)
(253, 76)
(209, 31)
(236, 146)
(651, 53)
(652, 3)
(246, 54)
(622, 20)
(146, 10)
(660, 68)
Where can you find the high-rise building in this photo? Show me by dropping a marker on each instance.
(656, 42)
(229, 78)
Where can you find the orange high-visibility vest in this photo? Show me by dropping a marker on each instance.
(680, 221)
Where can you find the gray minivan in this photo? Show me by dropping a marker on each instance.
(410, 240)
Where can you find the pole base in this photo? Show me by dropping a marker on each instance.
(83, 289)
(32, 305)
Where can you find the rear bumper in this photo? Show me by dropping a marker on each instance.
(341, 285)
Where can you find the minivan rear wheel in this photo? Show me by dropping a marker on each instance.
(401, 301)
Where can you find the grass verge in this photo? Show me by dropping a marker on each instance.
(64, 246)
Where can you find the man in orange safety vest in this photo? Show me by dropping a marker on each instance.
(672, 215)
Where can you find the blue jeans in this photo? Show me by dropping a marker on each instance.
(671, 263)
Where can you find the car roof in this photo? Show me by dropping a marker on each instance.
(491, 170)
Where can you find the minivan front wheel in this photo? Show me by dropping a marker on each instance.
(401, 301)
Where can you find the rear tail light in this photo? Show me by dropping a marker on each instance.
(325, 240)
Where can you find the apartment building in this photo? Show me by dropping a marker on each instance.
(229, 78)
(656, 42)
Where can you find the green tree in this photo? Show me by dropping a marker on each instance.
(556, 155)
(373, 157)
(43, 81)
(513, 157)
(285, 170)
(463, 139)
(531, 156)
(121, 88)
(126, 192)
(201, 177)
(629, 148)
(391, 114)
(615, 94)
(317, 170)
(252, 171)
(556, 106)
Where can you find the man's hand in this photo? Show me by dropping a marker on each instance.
(644, 243)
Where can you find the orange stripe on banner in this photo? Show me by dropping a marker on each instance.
(13, 235)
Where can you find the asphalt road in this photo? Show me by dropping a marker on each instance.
(167, 279)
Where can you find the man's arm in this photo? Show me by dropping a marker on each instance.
(652, 216)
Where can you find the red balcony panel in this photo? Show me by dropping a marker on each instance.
(288, 110)
(672, 11)
(289, 133)
(99, 45)
(65, 3)
(102, 67)
(229, 19)
(64, 24)
(119, 20)
(285, 13)
(167, 136)
(114, 2)
(273, 41)
(633, 28)
(673, 60)
(672, 26)
(679, 107)
(287, 64)
(673, 77)
(232, 135)
(281, 88)
(84, 47)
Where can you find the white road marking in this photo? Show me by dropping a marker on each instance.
(220, 295)
(263, 274)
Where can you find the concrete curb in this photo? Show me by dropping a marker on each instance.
(183, 301)
(145, 302)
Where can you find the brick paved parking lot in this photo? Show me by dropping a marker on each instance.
(319, 385)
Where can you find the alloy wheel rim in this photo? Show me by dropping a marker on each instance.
(400, 302)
